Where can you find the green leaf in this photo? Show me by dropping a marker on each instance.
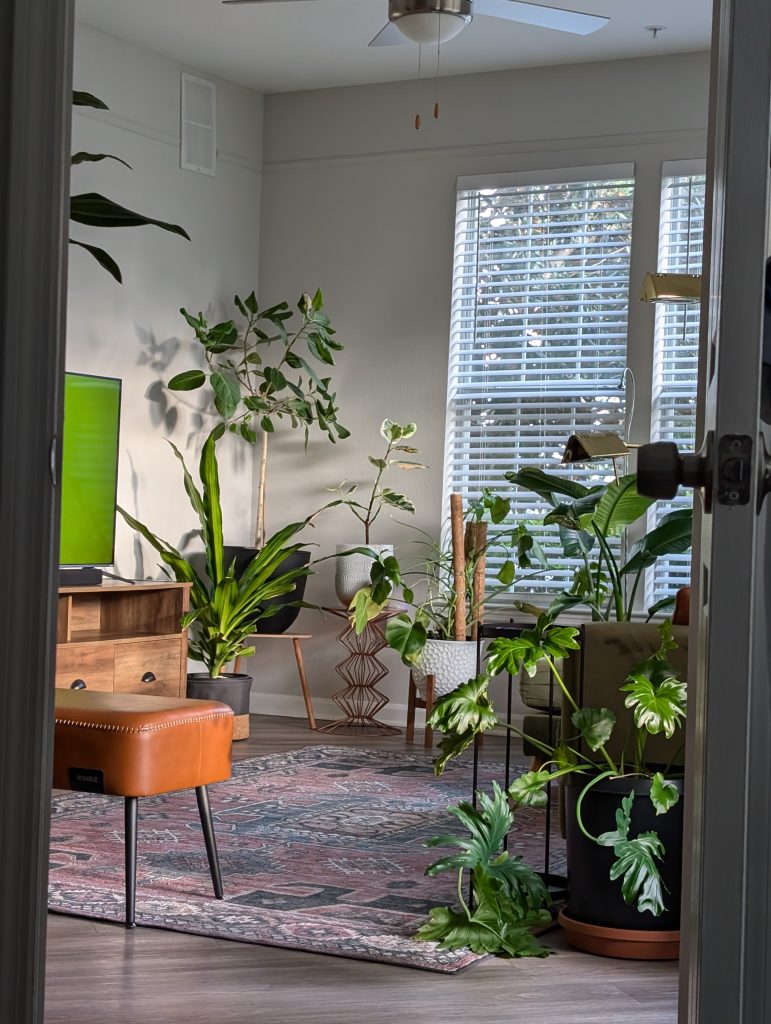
(97, 211)
(507, 573)
(530, 789)
(87, 99)
(595, 725)
(620, 506)
(406, 637)
(657, 699)
(672, 536)
(188, 380)
(104, 259)
(636, 865)
(664, 794)
(396, 500)
(452, 929)
(378, 463)
(663, 605)
(467, 707)
(93, 158)
(319, 349)
(227, 393)
(546, 485)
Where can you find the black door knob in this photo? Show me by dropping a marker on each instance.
(661, 470)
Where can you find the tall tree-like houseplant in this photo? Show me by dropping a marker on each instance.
(265, 373)
(95, 210)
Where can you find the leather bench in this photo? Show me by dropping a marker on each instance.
(135, 746)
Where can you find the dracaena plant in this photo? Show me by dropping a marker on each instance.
(656, 698)
(428, 583)
(509, 898)
(588, 519)
(368, 507)
(224, 608)
(265, 374)
(95, 210)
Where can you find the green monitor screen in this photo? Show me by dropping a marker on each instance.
(89, 469)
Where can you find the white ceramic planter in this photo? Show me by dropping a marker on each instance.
(352, 571)
(450, 662)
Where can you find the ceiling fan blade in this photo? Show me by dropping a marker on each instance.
(388, 36)
(544, 17)
(227, 2)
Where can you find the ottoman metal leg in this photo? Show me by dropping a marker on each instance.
(130, 807)
(202, 795)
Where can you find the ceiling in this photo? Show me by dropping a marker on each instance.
(284, 47)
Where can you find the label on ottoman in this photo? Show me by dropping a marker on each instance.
(87, 780)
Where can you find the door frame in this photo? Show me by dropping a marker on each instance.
(725, 959)
(35, 116)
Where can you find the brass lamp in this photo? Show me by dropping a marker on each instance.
(671, 288)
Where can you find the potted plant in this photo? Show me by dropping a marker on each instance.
(624, 831)
(352, 570)
(445, 594)
(264, 375)
(225, 605)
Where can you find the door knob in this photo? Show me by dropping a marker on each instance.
(723, 470)
(662, 470)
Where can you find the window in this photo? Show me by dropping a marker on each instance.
(538, 335)
(675, 360)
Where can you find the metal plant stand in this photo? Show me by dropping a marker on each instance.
(557, 884)
(361, 670)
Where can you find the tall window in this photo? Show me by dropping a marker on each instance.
(538, 337)
(675, 361)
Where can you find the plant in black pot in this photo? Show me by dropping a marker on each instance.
(225, 604)
(623, 812)
(267, 373)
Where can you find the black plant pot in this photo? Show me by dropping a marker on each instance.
(593, 898)
(232, 689)
(285, 614)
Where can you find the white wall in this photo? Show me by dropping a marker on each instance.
(134, 331)
(359, 203)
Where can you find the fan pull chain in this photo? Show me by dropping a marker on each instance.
(418, 119)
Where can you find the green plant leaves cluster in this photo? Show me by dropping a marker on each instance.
(95, 210)
(509, 897)
(635, 862)
(223, 609)
(251, 387)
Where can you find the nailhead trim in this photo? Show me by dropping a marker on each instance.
(104, 727)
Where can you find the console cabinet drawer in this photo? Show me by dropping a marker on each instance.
(150, 667)
(93, 663)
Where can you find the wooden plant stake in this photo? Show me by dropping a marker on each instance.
(458, 564)
(476, 545)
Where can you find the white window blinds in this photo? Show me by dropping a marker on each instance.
(538, 332)
(675, 361)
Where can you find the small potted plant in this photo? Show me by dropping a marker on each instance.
(624, 816)
(225, 605)
(263, 375)
(352, 570)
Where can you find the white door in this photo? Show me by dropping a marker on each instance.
(726, 958)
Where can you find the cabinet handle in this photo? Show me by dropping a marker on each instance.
(78, 684)
(148, 677)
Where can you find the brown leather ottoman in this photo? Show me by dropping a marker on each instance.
(130, 745)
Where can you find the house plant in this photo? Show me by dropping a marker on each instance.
(624, 881)
(225, 605)
(352, 571)
(95, 210)
(445, 593)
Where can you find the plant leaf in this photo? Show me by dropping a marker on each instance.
(227, 393)
(664, 794)
(188, 380)
(595, 725)
(87, 99)
(97, 211)
(620, 506)
(92, 158)
(530, 789)
(104, 259)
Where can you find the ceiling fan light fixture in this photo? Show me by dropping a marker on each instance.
(430, 21)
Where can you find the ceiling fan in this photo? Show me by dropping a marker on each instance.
(436, 21)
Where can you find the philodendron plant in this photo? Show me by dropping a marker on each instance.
(656, 698)
(264, 374)
(588, 518)
(508, 897)
(379, 496)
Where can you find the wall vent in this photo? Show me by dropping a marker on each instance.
(198, 134)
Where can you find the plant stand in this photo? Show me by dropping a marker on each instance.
(360, 700)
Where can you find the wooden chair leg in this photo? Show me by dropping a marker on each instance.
(409, 733)
(298, 654)
(204, 811)
(130, 815)
(428, 732)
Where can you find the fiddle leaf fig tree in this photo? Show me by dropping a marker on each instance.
(95, 210)
(267, 373)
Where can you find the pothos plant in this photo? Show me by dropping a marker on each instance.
(95, 210)
(508, 897)
(656, 698)
(379, 496)
(263, 374)
(588, 519)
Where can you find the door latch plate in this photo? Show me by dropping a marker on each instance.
(734, 469)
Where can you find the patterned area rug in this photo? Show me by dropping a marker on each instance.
(321, 849)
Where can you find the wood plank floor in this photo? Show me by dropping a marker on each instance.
(103, 974)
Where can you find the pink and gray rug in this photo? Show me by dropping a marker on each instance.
(321, 850)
